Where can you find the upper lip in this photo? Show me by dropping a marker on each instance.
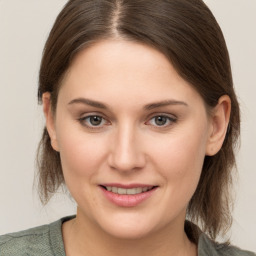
(127, 186)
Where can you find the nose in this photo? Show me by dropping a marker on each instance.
(126, 152)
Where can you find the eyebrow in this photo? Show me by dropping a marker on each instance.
(149, 106)
(89, 102)
(164, 103)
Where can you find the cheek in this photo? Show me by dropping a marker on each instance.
(80, 153)
(81, 158)
(180, 159)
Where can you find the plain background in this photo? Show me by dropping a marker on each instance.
(24, 26)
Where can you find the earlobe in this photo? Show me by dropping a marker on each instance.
(219, 125)
(49, 118)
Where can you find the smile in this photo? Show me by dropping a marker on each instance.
(128, 191)
(128, 195)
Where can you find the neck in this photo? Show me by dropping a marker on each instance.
(84, 238)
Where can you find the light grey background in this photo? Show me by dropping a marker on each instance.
(24, 26)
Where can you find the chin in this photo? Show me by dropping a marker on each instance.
(128, 232)
(130, 227)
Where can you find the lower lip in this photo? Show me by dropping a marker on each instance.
(127, 200)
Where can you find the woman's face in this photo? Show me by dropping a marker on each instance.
(128, 123)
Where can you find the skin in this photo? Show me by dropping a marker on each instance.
(130, 145)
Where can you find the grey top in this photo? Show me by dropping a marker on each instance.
(47, 241)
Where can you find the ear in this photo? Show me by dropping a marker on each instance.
(50, 122)
(219, 125)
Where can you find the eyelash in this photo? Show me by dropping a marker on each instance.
(170, 121)
(86, 120)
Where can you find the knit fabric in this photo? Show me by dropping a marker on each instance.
(40, 241)
(47, 241)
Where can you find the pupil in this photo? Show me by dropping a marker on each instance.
(161, 120)
(95, 120)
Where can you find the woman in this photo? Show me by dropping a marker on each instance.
(141, 126)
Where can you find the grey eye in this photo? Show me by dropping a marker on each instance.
(94, 120)
(160, 120)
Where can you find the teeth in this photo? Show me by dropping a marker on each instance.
(121, 191)
(133, 191)
(128, 191)
(114, 189)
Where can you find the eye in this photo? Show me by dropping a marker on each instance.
(161, 121)
(93, 121)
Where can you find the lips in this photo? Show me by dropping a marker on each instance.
(128, 191)
(127, 195)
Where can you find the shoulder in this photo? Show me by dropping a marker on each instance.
(34, 241)
(207, 247)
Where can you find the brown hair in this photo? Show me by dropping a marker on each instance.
(188, 34)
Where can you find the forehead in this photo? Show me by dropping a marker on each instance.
(110, 69)
(108, 55)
